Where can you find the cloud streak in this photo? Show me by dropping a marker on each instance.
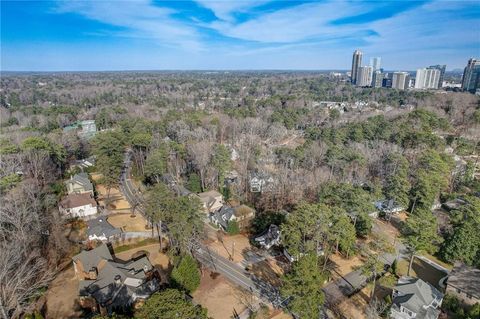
(139, 19)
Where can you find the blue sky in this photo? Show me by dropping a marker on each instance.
(204, 34)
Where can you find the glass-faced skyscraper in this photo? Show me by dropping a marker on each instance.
(356, 64)
(375, 63)
(471, 76)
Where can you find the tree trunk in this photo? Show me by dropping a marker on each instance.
(374, 283)
(159, 236)
(411, 263)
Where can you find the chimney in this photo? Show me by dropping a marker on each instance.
(145, 268)
(117, 280)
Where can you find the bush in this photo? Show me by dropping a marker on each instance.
(186, 274)
(232, 228)
(450, 303)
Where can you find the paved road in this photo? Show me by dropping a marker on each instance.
(234, 273)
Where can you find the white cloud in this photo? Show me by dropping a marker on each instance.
(224, 9)
(139, 18)
(293, 24)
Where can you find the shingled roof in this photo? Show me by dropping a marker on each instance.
(118, 284)
(77, 200)
(81, 179)
(414, 294)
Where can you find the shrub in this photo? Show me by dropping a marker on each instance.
(232, 228)
(186, 274)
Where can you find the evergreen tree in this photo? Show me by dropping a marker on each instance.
(304, 285)
(397, 185)
(170, 303)
(186, 274)
(421, 233)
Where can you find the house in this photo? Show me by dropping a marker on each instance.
(100, 229)
(78, 205)
(242, 214)
(269, 237)
(211, 200)
(85, 163)
(85, 129)
(231, 178)
(415, 298)
(388, 207)
(260, 182)
(464, 283)
(107, 284)
(79, 184)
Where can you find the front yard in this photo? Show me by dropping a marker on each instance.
(127, 223)
(115, 199)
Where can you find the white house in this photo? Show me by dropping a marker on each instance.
(78, 205)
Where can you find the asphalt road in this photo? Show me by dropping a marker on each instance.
(234, 273)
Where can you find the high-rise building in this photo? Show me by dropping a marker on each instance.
(400, 80)
(377, 80)
(441, 68)
(364, 77)
(427, 78)
(375, 63)
(356, 63)
(471, 76)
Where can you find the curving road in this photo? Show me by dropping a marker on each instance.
(234, 273)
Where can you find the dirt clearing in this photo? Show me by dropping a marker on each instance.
(127, 223)
(232, 247)
(62, 295)
(218, 296)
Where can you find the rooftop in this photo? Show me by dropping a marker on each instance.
(77, 200)
(101, 227)
(414, 294)
(466, 279)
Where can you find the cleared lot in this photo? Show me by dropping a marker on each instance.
(218, 296)
(127, 223)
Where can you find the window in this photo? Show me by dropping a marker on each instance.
(469, 296)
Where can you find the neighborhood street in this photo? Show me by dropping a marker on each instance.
(209, 259)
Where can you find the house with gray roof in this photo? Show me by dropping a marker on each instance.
(100, 229)
(464, 283)
(79, 184)
(415, 298)
(269, 238)
(107, 284)
(242, 214)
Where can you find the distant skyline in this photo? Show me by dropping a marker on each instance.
(236, 35)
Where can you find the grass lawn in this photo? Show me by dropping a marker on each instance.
(438, 261)
(421, 270)
(137, 244)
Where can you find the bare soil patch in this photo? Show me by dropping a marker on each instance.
(218, 296)
(232, 247)
(115, 201)
(342, 265)
(127, 223)
(62, 296)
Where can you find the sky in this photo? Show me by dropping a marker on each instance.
(99, 35)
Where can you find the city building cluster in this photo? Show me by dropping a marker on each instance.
(432, 77)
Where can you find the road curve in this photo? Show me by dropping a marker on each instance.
(234, 273)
